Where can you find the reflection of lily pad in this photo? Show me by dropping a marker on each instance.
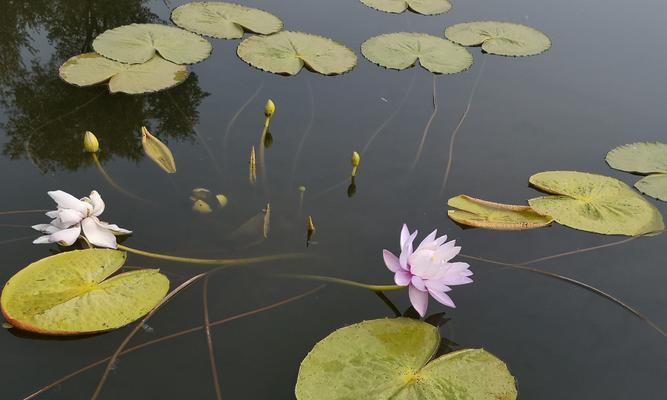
(643, 158)
(138, 43)
(485, 214)
(287, 52)
(502, 38)
(224, 20)
(69, 293)
(594, 203)
(426, 7)
(402, 50)
(154, 75)
(391, 359)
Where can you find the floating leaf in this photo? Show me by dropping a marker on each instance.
(138, 43)
(391, 359)
(222, 200)
(69, 293)
(502, 38)
(225, 20)
(643, 158)
(426, 7)
(403, 49)
(287, 52)
(594, 203)
(489, 215)
(154, 75)
(654, 186)
(201, 206)
(157, 151)
(200, 194)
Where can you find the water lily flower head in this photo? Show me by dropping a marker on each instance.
(75, 217)
(427, 270)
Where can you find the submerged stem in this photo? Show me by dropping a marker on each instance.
(209, 342)
(113, 183)
(427, 127)
(329, 279)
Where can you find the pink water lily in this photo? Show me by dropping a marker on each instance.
(75, 217)
(427, 270)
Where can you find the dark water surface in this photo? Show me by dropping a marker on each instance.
(601, 85)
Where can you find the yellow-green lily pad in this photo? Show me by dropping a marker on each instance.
(643, 158)
(393, 359)
(286, 53)
(594, 203)
(654, 185)
(72, 293)
(154, 75)
(501, 38)
(489, 215)
(426, 7)
(224, 20)
(402, 50)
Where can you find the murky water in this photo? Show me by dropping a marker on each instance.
(601, 85)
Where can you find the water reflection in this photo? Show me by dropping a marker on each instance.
(46, 118)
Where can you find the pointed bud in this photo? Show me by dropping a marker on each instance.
(90, 143)
(269, 108)
(356, 158)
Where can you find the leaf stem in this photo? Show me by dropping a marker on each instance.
(329, 279)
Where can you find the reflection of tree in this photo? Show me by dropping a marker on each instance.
(46, 118)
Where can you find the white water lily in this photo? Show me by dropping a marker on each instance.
(75, 217)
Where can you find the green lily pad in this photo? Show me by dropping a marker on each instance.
(502, 38)
(286, 53)
(154, 75)
(643, 158)
(594, 203)
(138, 43)
(69, 293)
(488, 215)
(426, 7)
(392, 359)
(403, 49)
(225, 20)
(653, 185)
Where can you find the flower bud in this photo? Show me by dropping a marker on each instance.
(269, 108)
(356, 158)
(90, 143)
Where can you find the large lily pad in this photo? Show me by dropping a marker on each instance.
(391, 359)
(643, 158)
(485, 214)
(154, 75)
(69, 293)
(594, 203)
(502, 38)
(225, 20)
(426, 7)
(403, 49)
(138, 43)
(286, 53)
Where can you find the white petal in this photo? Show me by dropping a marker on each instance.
(98, 203)
(68, 217)
(52, 214)
(98, 235)
(45, 228)
(42, 240)
(66, 237)
(66, 200)
(117, 230)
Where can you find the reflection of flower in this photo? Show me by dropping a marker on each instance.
(73, 216)
(427, 269)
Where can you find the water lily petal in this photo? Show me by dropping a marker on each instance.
(402, 277)
(66, 200)
(391, 261)
(97, 202)
(42, 240)
(45, 228)
(117, 230)
(442, 298)
(428, 241)
(65, 237)
(67, 217)
(405, 233)
(418, 283)
(438, 285)
(418, 299)
(52, 214)
(98, 235)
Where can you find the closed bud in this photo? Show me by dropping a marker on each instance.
(90, 143)
(269, 108)
(356, 158)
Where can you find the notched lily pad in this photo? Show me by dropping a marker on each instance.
(643, 158)
(224, 20)
(154, 75)
(402, 50)
(286, 53)
(488, 215)
(138, 43)
(392, 359)
(69, 293)
(594, 203)
(426, 7)
(501, 38)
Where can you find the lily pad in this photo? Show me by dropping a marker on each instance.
(154, 75)
(403, 49)
(426, 7)
(594, 203)
(392, 359)
(654, 185)
(485, 214)
(225, 20)
(286, 53)
(643, 158)
(69, 293)
(138, 43)
(502, 38)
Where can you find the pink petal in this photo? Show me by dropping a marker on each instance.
(428, 240)
(438, 285)
(418, 299)
(402, 277)
(442, 298)
(391, 261)
(418, 283)
(98, 235)
(405, 233)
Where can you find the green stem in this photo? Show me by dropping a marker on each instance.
(329, 279)
(213, 261)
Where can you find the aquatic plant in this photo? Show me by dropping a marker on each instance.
(647, 159)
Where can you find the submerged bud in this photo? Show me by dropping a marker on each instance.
(90, 143)
(269, 108)
(356, 158)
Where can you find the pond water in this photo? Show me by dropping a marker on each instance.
(601, 85)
